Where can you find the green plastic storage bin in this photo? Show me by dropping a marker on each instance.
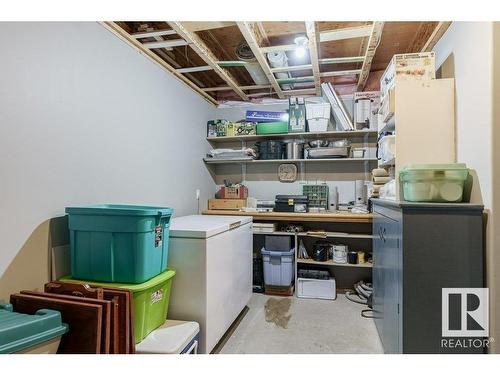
(24, 333)
(150, 301)
(433, 182)
(279, 127)
(118, 243)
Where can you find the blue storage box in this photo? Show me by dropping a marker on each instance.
(266, 116)
(278, 267)
(118, 243)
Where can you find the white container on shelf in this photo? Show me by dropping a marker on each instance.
(387, 148)
(315, 288)
(317, 115)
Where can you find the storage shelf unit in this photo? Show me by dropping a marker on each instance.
(332, 263)
(337, 235)
(335, 160)
(306, 135)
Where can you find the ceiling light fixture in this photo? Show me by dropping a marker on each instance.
(301, 42)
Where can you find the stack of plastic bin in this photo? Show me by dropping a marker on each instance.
(277, 257)
(125, 246)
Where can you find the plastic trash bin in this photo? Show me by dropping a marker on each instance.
(150, 301)
(278, 267)
(30, 334)
(118, 243)
(173, 337)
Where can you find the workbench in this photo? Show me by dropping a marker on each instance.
(328, 217)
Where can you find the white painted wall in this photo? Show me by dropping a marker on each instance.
(86, 119)
(470, 43)
(471, 46)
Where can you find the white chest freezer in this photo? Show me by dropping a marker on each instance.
(212, 256)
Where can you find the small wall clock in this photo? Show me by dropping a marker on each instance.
(287, 172)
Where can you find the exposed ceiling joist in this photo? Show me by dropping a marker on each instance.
(126, 37)
(152, 34)
(227, 88)
(284, 47)
(194, 69)
(340, 73)
(341, 60)
(253, 38)
(194, 26)
(291, 68)
(345, 33)
(166, 44)
(373, 42)
(313, 52)
(295, 79)
(204, 52)
(435, 36)
(300, 92)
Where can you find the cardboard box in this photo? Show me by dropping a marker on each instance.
(409, 66)
(232, 192)
(226, 204)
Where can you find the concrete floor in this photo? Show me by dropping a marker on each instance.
(316, 326)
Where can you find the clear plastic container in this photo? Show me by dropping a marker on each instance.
(433, 182)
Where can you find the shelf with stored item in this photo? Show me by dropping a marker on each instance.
(332, 263)
(258, 161)
(303, 136)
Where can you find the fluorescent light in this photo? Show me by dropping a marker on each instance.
(300, 52)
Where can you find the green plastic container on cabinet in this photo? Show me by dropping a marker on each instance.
(150, 301)
(433, 182)
(118, 243)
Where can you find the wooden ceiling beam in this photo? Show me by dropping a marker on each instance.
(435, 36)
(371, 48)
(291, 68)
(166, 44)
(206, 54)
(152, 34)
(340, 73)
(194, 69)
(312, 35)
(194, 26)
(227, 88)
(345, 33)
(283, 47)
(253, 39)
(299, 92)
(134, 43)
(341, 60)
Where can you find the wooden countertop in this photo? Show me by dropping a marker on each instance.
(337, 217)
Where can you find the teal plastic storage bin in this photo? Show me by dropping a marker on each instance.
(118, 243)
(30, 334)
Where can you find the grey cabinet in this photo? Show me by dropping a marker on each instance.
(418, 249)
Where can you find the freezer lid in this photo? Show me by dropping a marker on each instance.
(205, 226)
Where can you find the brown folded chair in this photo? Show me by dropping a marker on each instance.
(84, 321)
(122, 341)
(107, 313)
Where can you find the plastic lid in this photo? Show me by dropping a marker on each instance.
(23, 331)
(119, 209)
(170, 338)
(434, 167)
(151, 283)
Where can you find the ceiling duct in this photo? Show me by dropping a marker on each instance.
(245, 54)
(279, 59)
